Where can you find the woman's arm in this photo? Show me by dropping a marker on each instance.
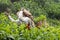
(12, 19)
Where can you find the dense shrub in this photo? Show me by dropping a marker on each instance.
(53, 10)
(4, 4)
(40, 9)
(40, 18)
(50, 8)
(11, 31)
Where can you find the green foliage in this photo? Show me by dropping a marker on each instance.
(54, 22)
(53, 10)
(11, 31)
(50, 8)
(40, 18)
(4, 4)
(40, 9)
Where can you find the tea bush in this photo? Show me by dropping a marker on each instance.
(50, 8)
(4, 4)
(40, 9)
(40, 18)
(11, 31)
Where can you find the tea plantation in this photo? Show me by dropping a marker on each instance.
(11, 31)
(40, 9)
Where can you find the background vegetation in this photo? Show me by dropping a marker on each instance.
(49, 8)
